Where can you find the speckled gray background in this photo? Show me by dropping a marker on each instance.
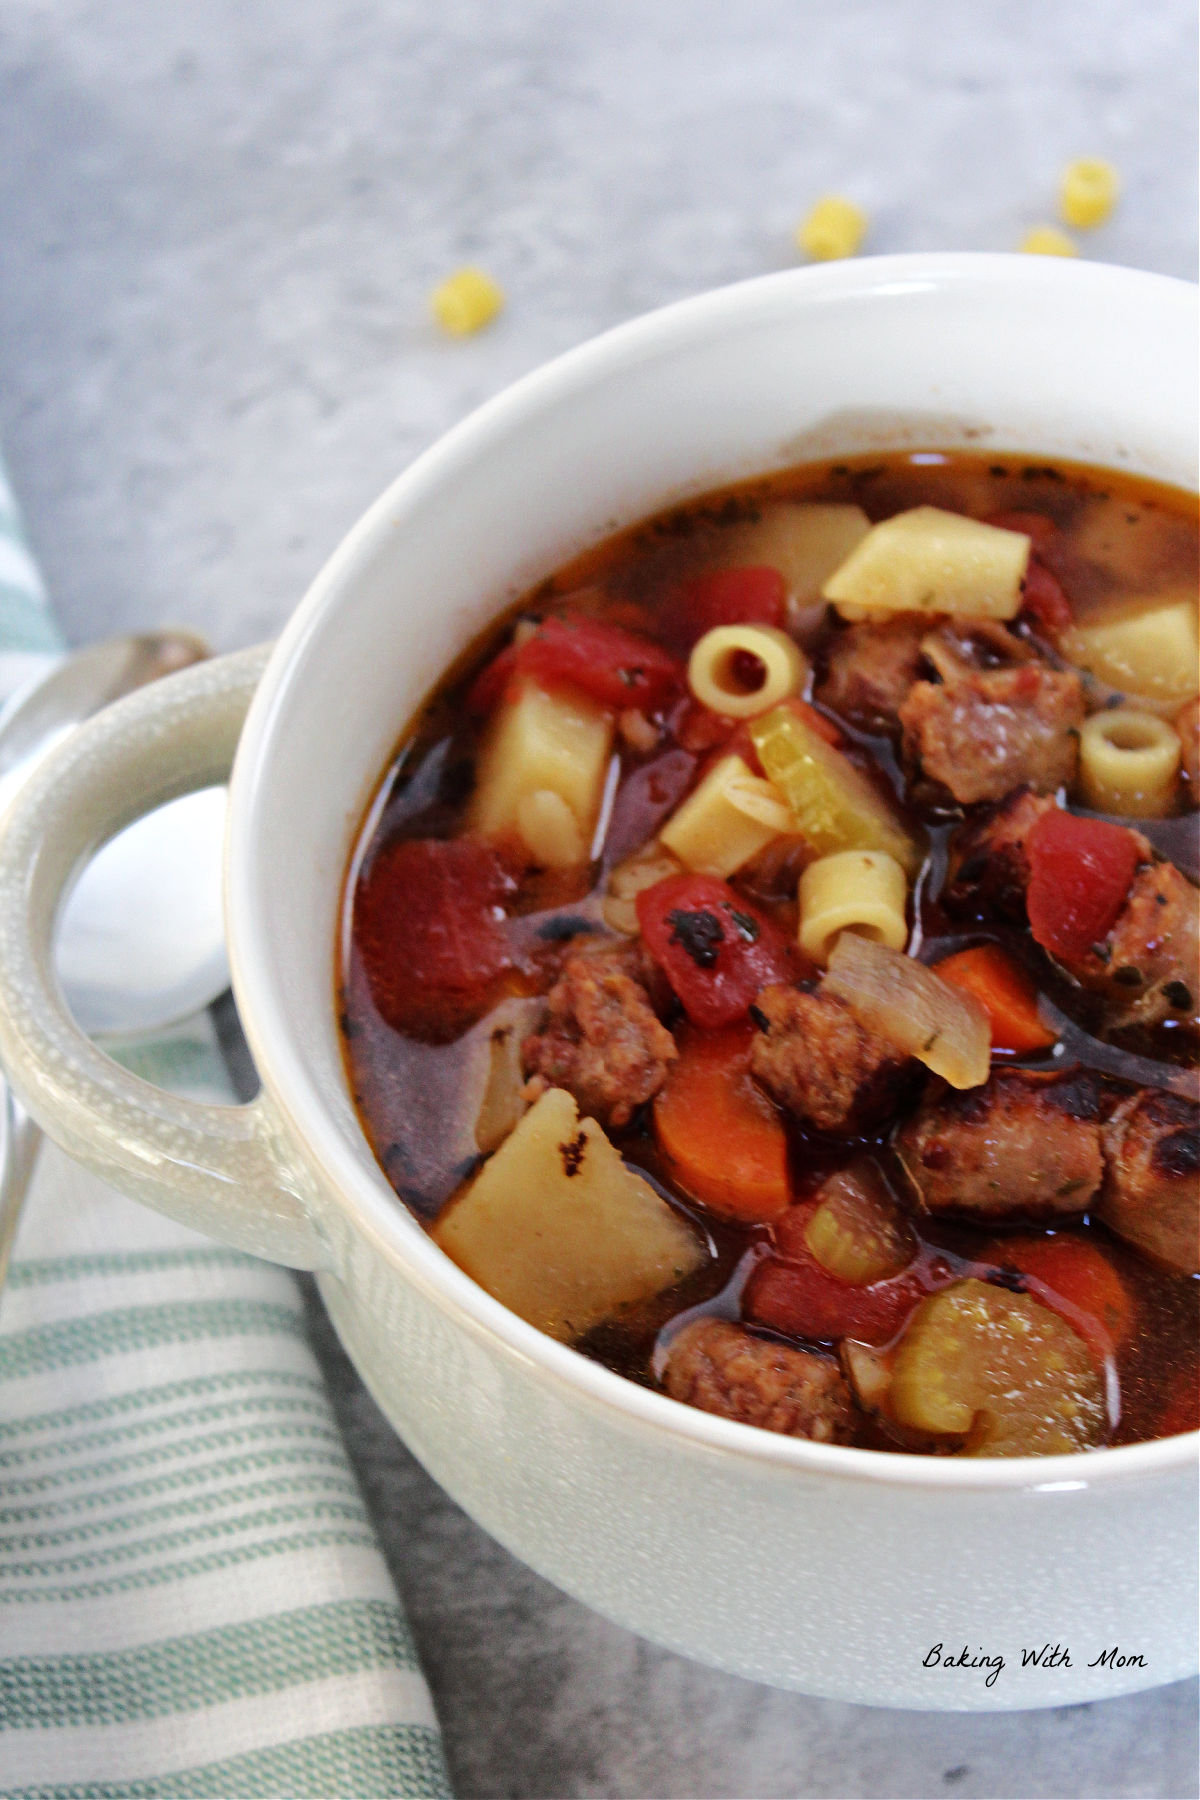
(219, 221)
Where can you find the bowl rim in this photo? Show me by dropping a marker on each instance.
(366, 1199)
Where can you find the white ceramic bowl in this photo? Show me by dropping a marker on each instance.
(837, 1571)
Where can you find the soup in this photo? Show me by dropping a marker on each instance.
(769, 963)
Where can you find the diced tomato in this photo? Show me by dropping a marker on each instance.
(1006, 994)
(1075, 1279)
(429, 926)
(698, 729)
(750, 596)
(723, 1139)
(616, 667)
(717, 950)
(791, 1293)
(1044, 602)
(1079, 875)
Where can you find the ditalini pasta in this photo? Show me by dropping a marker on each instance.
(744, 670)
(853, 890)
(1129, 763)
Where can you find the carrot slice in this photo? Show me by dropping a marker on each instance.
(724, 1140)
(1072, 1271)
(1006, 994)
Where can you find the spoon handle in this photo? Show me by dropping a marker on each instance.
(20, 1141)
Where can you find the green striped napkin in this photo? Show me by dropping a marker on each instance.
(192, 1600)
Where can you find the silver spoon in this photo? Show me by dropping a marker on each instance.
(140, 943)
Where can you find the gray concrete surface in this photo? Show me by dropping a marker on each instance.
(219, 222)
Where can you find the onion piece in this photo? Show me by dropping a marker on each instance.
(913, 1008)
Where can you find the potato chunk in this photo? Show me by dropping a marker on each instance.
(1149, 650)
(731, 816)
(927, 560)
(557, 1228)
(999, 1369)
(541, 773)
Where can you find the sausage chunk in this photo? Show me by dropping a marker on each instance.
(722, 1368)
(990, 865)
(1148, 969)
(1023, 1144)
(601, 1040)
(870, 668)
(987, 733)
(814, 1057)
(1152, 1177)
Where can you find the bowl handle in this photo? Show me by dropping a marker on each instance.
(226, 1170)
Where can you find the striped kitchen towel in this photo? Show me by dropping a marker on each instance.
(192, 1600)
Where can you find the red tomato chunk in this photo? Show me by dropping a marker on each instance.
(752, 596)
(1079, 875)
(429, 925)
(716, 949)
(616, 667)
(791, 1293)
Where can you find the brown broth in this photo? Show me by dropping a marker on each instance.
(1118, 535)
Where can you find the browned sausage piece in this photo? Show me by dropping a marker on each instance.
(987, 733)
(722, 1368)
(1152, 1177)
(870, 668)
(602, 1041)
(1187, 724)
(1148, 969)
(814, 1057)
(989, 863)
(1023, 1144)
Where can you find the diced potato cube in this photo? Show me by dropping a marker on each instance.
(1000, 1370)
(731, 816)
(805, 541)
(543, 743)
(858, 1233)
(834, 805)
(558, 1229)
(927, 560)
(1151, 650)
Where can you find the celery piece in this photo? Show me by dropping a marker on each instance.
(999, 1370)
(835, 805)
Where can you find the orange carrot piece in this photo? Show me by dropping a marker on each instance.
(1006, 994)
(723, 1139)
(1072, 1270)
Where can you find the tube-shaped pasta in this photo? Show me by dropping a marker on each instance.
(853, 890)
(1128, 763)
(723, 669)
